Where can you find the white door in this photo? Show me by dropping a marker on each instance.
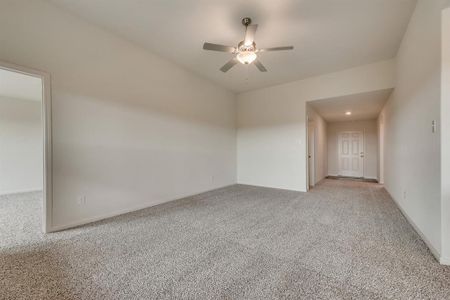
(351, 154)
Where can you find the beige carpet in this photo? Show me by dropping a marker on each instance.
(344, 240)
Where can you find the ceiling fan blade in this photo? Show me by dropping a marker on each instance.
(260, 66)
(217, 47)
(229, 64)
(250, 34)
(276, 49)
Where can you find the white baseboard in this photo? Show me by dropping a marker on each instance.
(445, 261)
(273, 187)
(434, 251)
(55, 228)
(10, 192)
(337, 175)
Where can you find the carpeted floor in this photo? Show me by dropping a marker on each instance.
(343, 240)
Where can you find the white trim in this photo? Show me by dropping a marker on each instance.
(47, 134)
(311, 161)
(125, 211)
(445, 261)
(273, 187)
(11, 192)
(103, 217)
(381, 146)
(337, 175)
(306, 148)
(434, 251)
(364, 152)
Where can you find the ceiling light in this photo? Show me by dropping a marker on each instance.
(348, 113)
(246, 57)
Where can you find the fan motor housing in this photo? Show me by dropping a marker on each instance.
(246, 21)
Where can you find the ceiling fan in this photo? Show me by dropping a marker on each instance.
(246, 51)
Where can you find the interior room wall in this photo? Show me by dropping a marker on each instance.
(271, 123)
(412, 151)
(320, 147)
(445, 137)
(21, 156)
(370, 130)
(130, 129)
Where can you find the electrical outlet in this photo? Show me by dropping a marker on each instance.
(212, 179)
(404, 194)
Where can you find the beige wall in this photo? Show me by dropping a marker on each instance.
(412, 151)
(21, 156)
(271, 123)
(369, 128)
(445, 137)
(130, 129)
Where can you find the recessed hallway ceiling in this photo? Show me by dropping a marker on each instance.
(363, 106)
(328, 35)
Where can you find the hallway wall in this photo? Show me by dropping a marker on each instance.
(412, 151)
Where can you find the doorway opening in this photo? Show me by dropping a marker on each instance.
(345, 137)
(25, 155)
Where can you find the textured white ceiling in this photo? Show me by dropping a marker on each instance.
(328, 35)
(19, 86)
(364, 106)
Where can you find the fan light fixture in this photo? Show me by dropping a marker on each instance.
(348, 113)
(246, 57)
(246, 51)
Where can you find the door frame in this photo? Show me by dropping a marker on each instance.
(381, 135)
(362, 132)
(46, 116)
(311, 161)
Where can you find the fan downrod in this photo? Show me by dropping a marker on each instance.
(246, 21)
